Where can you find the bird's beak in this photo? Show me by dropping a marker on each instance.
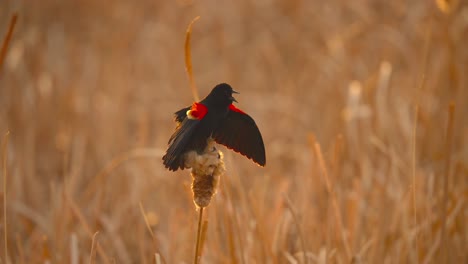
(232, 98)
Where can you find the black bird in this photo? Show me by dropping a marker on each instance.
(215, 117)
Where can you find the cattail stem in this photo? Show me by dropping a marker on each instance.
(199, 231)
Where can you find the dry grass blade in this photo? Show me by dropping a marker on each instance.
(150, 230)
(3, 52)
(20, 249)
(143, 212)
(74, 249)
(157, 258)
(231, 242)
(421, 89)
(448, 158)
(188, 59)
(92, 256)
(119, 160)
(6, 40)
(4, 148)
(298, 227)
(81, 218)
(331, 191)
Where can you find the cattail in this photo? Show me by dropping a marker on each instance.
(207, 168)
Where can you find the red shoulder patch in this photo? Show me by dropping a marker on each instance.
(235, 109)
(197, 111)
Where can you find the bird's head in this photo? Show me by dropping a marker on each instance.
(222, 94)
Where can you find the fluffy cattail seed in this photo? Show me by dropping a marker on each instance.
(207, 167)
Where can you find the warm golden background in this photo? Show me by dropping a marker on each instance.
(356, 138)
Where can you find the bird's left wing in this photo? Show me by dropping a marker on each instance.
(239, 132)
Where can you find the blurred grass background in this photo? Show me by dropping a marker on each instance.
(352, 98)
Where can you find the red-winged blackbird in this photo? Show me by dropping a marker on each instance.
(215, 117)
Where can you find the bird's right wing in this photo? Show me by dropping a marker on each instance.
(178, 142)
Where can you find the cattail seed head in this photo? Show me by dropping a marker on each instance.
(207, 167)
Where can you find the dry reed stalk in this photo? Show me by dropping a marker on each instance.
(188, 59)
(74, 250)
(420, 94)
(109, 227)
(305, 260)
(92, 255)
(231, 243)
(3, 51)
(157, 258)
(148, 226)
(19, 246)
(118, 160)
(5, 229)
(448, 159)
(7, 39)
(332, 193)
(82, 219)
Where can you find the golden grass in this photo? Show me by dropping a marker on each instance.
(7, 38)
(367, 161)
(188, 60)
(5, 193)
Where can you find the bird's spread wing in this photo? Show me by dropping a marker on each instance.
(179, 141)
(178, 144)
(240, 133)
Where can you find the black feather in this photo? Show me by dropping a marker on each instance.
(239, 132)
(179, 144)
(215, 117)
(181, 115)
